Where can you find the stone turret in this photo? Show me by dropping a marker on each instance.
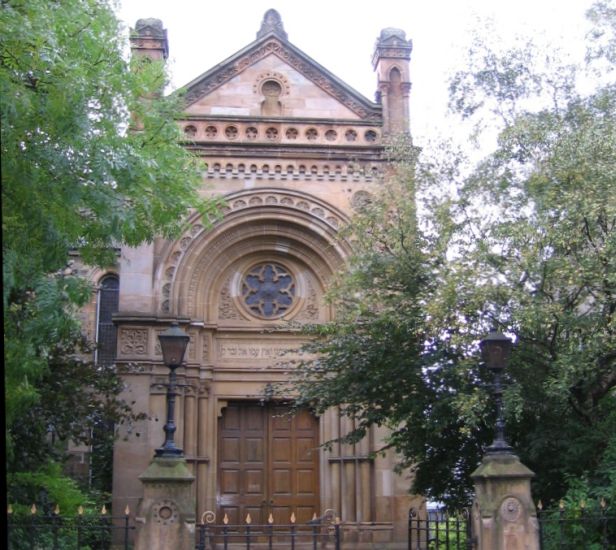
(392, 54)
(149, 39)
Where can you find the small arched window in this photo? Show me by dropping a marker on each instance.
(106, 331)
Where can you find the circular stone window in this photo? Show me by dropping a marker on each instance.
(268, 290)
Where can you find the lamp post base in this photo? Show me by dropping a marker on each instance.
(169, 452)
(166, 516)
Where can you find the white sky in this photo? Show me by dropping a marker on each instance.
(340, 35)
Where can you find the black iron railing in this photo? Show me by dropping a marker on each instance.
(60, 532)
(586, 525)
(436, 530)
(320, 533)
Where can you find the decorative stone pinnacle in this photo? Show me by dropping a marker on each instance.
(272, 22)
(392, 43)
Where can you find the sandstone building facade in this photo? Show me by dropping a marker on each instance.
(293, 150)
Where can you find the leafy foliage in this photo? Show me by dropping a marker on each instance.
(526, 244)
(91, 159)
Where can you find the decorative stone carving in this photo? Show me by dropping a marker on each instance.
(226, 307)
(192, 348)
(510, 509)
(206, 347)
(133, 341)
(310, 311)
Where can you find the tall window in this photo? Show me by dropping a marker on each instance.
(106, 331)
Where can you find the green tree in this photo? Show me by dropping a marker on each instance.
(526, 244)
(75, 177)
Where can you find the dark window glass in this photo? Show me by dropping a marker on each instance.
(107, 333)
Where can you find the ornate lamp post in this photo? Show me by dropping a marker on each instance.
(496, 350)
(173, 343)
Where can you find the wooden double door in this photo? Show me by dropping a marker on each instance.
(267, 464)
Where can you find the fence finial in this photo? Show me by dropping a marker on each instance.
(33, 509)
(561, 505)
(9, 510)
(603, 504)
(582, 504)
(103, 510)
(56, 510)
(127, 511)
(292, 517)
(225, 520)
(248, 519)
(80, 510)
(540, 505)
(270, 519)
(314, 516)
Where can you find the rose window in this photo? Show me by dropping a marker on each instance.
(291, 133)
(268, 290)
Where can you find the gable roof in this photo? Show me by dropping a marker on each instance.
(272, 39)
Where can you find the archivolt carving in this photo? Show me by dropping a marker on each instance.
(295, 212)
(216, 78)
(288, 200)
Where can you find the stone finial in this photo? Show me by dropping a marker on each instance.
(149, 39)
(272, 22)
(392, 43)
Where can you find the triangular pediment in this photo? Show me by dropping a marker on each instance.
(241, 72)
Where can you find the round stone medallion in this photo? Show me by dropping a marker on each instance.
(165, 512)
(511, 509)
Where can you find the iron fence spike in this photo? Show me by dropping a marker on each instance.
(33, 509)
(248, 519)
(80, 510)
(56, 510)
(9, 510)
(127, 511)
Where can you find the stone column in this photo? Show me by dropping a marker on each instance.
(503, 515)
(166, 517)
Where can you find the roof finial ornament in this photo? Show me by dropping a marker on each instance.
(272, 22)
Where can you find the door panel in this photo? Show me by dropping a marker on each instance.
(267, 463)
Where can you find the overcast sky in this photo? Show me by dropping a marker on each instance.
(340, 35)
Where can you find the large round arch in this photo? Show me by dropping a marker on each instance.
(258, 224)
